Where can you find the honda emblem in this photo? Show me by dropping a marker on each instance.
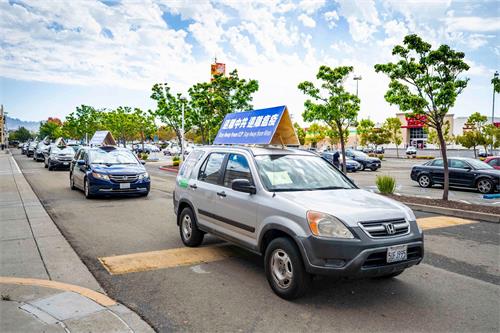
(389, 227)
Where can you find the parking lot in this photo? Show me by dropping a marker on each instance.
(456, 288)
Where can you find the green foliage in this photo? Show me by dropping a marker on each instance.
(433, 138)
(369, 134)
(386, 184)
(331, 103)
(301, 133)
(477, 135)
(212, 101)
(51, 128)
(426, 82)
(364, 129)
(393, 126)
(21, 135)
(334, 136)
(496, 84)
(83, 122)
(315, 133)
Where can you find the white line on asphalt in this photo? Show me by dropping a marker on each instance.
(15, 163)
(465, 201)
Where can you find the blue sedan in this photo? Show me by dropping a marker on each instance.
(351, 165)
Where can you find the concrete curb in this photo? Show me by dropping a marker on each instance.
(455, 212)
(170, 169)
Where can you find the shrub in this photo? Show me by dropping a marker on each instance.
(176, 163)
(143, 156)
(424, 157)
(380, 156)
(386, 184)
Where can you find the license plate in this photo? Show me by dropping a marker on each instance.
(66, 163)
(396, 253)
(124, 185)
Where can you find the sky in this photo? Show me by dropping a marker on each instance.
(56, 55)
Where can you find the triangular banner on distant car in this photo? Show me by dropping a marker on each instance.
(263, 126)
(102, 138)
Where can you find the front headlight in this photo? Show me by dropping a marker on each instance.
(325, 225)
(100, 176)
(143, 176)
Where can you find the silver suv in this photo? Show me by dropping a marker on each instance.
(302, 214)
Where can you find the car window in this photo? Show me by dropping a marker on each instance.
(237, 168)
(189, 163)
(457, 164)
(437, 163)
(494, 162)
(115, 156)
(211, 169)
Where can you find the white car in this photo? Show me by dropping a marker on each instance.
(411, 150)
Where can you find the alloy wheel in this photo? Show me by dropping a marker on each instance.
(187, 227)
(484, 186)
(424, 181)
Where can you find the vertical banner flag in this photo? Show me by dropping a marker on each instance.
(264, 126)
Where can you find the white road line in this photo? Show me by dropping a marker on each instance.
(465, 201)
(15, 163)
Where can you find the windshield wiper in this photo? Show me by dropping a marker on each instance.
(332, 188)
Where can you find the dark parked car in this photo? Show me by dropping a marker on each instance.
(351, 165)
(366, 161)
(24, 148)
(108, 171)
(31, 149)
(464, 172)
(58, 157)
(40, 151)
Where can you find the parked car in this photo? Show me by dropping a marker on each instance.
(463, 172)
(302, 214)
(40, 149)
(367, 162)
(494, 161)
(108, 171)
(24, 148)
(411, 150)
(483, 153)
(380, 150)
(367, 150)
(172, 150)
(31, 149)
(351, 165)
(59, 157)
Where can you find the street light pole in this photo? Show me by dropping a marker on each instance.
(495, 76)
(357, 78)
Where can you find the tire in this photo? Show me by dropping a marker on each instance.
(50, 168)
(362, 167)
(424, 181)
(191, 236)
(485, 186)
(86, 189)
(45, 164)
(389, 276)
(72, 182)
(373, 168)
(285, 269)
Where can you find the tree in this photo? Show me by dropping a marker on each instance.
(332, 104)
(21, 135)
(169, 109)
(426, 82)
(143, 124)
(470, 139)
(365, 129)
(495, 81)
(432, 136)
(301, 133)
(380, 136)
(212, 101)
(121, 123)
(393, 126)
(334, 136)
(83, 122)
(475, 136)
(491, 136)
(314, 134)
(165, 133)
(51, 128)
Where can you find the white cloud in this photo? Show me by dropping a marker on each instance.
(307, 21)
(332, 18)
(473, 23)
(311, 6)
(362, 16)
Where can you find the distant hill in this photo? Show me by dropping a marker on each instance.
(14, 123)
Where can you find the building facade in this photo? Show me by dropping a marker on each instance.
(413, 129)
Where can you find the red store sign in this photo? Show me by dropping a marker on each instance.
(415, 122)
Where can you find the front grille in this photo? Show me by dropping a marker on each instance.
(379, 259)
(123, 178)
(382, 228)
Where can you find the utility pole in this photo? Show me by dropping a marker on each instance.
(2, 127)
(357, 78)
(183, 101)
(495, 76)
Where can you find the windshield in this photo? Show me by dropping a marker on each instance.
(299, 173)
(359, 153)
(117, 156)
(62, 150)
(479, 165)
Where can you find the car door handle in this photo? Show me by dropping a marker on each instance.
(193, 186)
(221, 194)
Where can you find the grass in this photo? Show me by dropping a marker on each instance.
(386, 184)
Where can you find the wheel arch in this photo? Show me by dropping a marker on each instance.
(184, 203)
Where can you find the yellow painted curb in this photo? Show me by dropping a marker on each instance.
(146, 261)
(89, 293)
(435, 222)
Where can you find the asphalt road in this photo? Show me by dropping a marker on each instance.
(457, 288)
(400, 170)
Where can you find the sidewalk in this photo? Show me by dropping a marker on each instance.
(44, 286)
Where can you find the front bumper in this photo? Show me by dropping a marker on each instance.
(361, 257)
(104, 187)
(59, 164)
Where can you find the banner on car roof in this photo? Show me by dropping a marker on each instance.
(102, 138)
(264, 126)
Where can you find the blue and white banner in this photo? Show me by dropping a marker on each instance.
(251, 127)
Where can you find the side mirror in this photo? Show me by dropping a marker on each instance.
(143, 162)
(80, 162)
(243, 185)
(468, 168)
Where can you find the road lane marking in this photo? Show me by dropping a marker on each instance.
(184, 256)
(434, 222)
(89, 293)
(187, 256)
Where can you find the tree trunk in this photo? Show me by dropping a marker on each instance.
(397, 150)
(475, 154)
(342, 148)
(142, 140)
(442, 146)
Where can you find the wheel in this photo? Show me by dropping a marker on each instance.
(285, 270)
(72, 182)
(190, 234)
(485, 186)
(424, 181)
(389, 276)
(362, 167)
(86, 189)
(50, 168)
(373, 168)
(145, 194)
(45, 164)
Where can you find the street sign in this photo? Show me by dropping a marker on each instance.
(264, 126)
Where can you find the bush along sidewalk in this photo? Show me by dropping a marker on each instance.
(386, 184)
(176, 160)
